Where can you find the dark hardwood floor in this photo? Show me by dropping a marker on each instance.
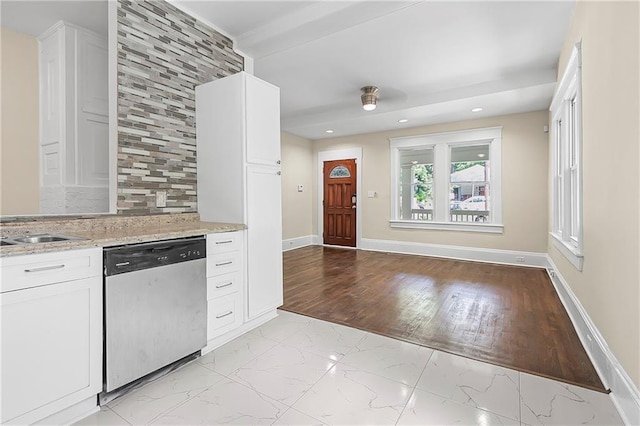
(504, 315)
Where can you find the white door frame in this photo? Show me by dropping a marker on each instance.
(340, 154)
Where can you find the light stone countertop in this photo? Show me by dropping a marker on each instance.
(108, 232)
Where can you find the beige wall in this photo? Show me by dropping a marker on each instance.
(609, 285)
(524, 184)
(297, 157)
(19, 157)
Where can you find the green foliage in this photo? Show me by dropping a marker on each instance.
(456, 167)
(423, 174)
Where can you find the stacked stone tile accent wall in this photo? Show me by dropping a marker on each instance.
(163, 54)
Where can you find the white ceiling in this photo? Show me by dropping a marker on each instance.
(35, 17)
(432, 60)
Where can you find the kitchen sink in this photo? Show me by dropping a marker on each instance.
(39, 238)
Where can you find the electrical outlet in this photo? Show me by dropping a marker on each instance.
(519, 259)
(161, 199)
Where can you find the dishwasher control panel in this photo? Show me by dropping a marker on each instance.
(136, 257)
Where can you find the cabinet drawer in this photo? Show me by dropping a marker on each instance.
(224, 242)
(223, 263)
(225, 314)
(34, 270)
(223, 284)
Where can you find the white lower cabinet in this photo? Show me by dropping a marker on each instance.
(238, 298)
(225, 283)
(51, 333)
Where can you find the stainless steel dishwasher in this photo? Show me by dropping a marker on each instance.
(155, 307)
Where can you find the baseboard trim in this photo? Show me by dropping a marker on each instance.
(298, 242)
(624, 393)
(506, 257)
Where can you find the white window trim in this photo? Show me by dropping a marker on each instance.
(491, 228)
(569, 87)
(441, 143)
(571, 253)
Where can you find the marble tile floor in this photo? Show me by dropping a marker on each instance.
(296, 370)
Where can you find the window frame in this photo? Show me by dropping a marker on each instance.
(412, 185)
(566, 162)
(442, 144)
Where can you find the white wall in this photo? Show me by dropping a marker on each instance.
(524, 183)
(609, 285)
(297, 157)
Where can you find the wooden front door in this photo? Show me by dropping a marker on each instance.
(340, 202)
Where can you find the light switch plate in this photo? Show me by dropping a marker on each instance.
(372, 194)
(161, 199)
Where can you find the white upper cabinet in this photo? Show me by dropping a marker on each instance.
(237, 124)
(263, 122)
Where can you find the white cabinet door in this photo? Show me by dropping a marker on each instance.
(51, 348)
(263, 122)
(264, 240)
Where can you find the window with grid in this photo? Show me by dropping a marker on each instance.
(566, 139)
(415, 199)
(447, 181)
(469, 184)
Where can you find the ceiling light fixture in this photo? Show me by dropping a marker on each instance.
(328, 131)
(481, 155)
(477, 109)
(369, 97)
(402, 120)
